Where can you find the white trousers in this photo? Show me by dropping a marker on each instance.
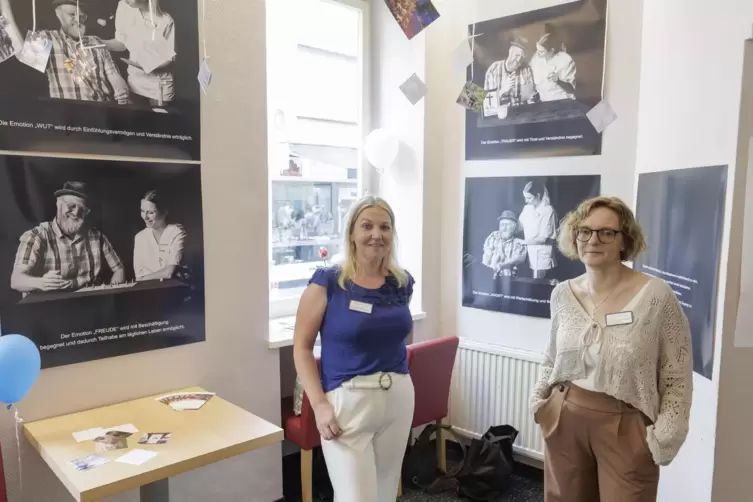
(364, 463)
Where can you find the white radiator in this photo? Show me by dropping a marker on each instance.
(491, 385)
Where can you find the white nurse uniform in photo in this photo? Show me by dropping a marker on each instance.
(150, 255)
(560, 65)
(539, 223)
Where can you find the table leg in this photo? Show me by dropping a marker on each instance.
(159, 491)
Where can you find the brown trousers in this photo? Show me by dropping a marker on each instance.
(596, 449)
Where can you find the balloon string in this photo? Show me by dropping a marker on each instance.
(78, 20)
(19, 421)
(151, 14)
(473, 45)
(203, 27)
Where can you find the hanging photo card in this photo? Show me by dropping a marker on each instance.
(413, 16)
(36, 51)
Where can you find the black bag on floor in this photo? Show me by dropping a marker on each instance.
(488, 465)
(420, 461)
(483, 475)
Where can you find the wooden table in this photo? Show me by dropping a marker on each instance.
(217, 431)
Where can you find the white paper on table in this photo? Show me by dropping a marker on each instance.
(601, 116)
(462, 57)
(136, 457)
(414, 89)
(88, 435)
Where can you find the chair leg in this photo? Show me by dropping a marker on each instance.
(400, 486)
(441, 448)
(307, 490)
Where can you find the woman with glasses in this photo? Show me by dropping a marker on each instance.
(614, 390)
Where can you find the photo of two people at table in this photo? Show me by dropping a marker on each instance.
(545, 62)
(79, 224)
(138, 53)
(512, 225)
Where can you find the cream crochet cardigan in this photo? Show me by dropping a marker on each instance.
(647, 364)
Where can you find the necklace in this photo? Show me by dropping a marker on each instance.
(590, 297)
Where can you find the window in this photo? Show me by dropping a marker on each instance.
(316, 64)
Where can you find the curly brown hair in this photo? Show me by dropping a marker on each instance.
(635, 242)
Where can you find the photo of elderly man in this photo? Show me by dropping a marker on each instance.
(79, 67)
(65, 253)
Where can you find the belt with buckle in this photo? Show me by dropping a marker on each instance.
(385, 377)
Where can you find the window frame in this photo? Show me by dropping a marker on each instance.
(367, 181)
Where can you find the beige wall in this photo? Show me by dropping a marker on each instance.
(678, 128)
(234, 361)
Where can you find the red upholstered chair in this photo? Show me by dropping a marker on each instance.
(430, 364)
(301, 429)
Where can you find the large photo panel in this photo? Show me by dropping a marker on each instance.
(543, 71)
(682, 215)
(99, 258)
(511, 262)
(120, 79)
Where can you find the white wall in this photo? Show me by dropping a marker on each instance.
(234, 361)
(445, 133)
(690, 47)
(409, 186)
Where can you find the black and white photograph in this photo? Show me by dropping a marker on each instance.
(107, 77)
(511, 262)
(681, 213)
(100, 258)
(543, 71)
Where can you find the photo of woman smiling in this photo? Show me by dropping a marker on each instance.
(158, 248)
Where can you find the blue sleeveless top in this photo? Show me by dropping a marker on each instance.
(357, 343)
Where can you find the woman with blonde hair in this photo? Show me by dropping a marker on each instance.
(363, 396)
(615, 387)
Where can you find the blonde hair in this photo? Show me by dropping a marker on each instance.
(635, 242)
(349, 266)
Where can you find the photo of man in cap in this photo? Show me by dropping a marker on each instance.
(510, 81)
(78, 68)
(65, 253)
(503, 252)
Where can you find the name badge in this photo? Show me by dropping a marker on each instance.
(361, 306)
(619, 319)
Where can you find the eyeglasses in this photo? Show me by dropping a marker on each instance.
(605, 235)
(69, 208)
(82, 17)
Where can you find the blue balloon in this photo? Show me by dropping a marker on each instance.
(20, 364)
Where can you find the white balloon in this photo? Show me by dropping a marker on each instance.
(381, 148)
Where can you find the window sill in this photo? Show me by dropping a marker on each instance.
(281, 330)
